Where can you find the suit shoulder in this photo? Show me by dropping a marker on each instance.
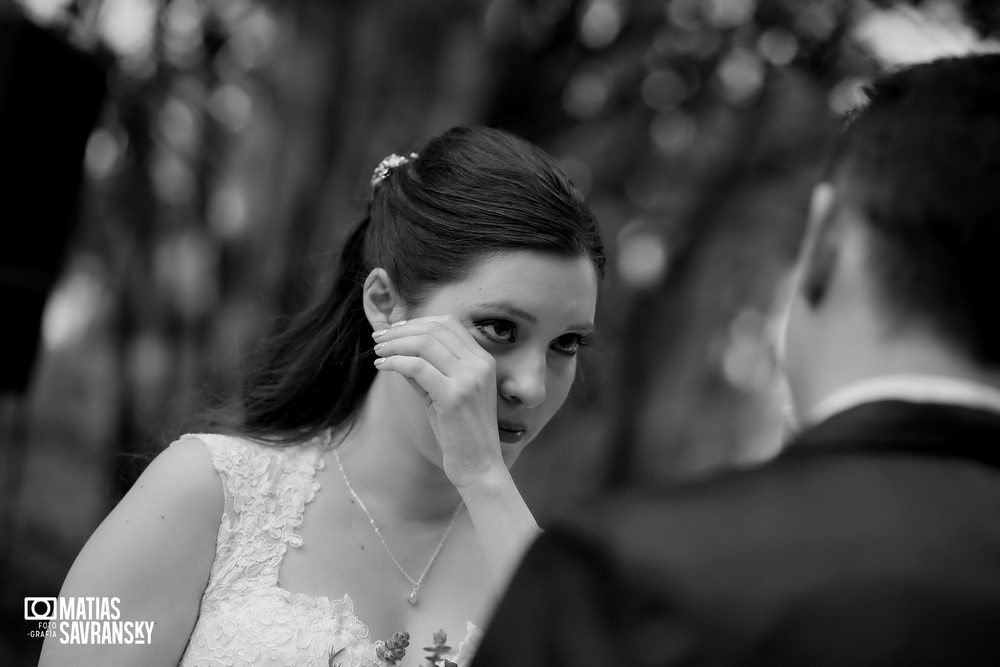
(733, 515)
(726, 496)
(792, 515)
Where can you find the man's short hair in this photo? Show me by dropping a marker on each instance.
(921, 163)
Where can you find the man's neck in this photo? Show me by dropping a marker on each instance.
(923, 389)
(902, 360)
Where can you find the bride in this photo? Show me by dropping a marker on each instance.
(366, 490)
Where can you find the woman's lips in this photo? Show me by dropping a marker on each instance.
(511, 432)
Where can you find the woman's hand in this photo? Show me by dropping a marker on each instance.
(457, 377)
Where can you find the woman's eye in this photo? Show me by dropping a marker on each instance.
(569, 344)
(498, 331)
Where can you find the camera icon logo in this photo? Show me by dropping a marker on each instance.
(39, 609)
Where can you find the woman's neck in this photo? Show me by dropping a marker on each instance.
(387, 456)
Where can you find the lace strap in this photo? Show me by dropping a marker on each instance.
(228, 455)
(266, 490)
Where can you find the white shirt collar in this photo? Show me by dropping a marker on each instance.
(910, 388)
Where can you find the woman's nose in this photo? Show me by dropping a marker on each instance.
(522, 380)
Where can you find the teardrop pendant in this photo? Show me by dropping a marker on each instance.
(412, 597)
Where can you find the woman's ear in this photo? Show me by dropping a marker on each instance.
(383, 304)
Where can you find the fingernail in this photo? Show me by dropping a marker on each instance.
(378, 333)
(398, 324)
(379, 346)
(379, 362)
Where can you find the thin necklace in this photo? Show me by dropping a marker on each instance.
(412, 597)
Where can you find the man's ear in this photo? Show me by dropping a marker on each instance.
(820, 252)
(383, 304)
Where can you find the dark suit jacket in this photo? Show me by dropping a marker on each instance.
(874, 539)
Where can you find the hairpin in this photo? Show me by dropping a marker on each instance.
(388, 164)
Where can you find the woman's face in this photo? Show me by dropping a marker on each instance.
(533, 312)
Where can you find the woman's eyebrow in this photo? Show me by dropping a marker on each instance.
(514, 311)
(508, 308)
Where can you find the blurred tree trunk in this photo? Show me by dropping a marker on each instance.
(655, 317)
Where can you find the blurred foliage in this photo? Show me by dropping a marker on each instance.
(233, 158)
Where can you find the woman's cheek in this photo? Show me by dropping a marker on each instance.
(562, 383)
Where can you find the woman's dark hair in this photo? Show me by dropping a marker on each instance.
(471, 192)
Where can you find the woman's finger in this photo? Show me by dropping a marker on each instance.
(434, 383)
(424, 345)
(448, 330)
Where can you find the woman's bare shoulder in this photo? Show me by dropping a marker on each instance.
(154, 551)
(176, 505)
(182, 476)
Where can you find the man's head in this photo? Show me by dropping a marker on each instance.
(901, 263)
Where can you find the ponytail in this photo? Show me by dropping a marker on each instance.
(315, 373)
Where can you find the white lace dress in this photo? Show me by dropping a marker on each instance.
(246, 618)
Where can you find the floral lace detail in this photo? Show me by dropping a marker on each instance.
(246, 618)
(467, 649)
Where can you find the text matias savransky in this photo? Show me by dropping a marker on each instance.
(85, 620)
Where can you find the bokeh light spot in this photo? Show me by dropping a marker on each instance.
(185, 265)
(816, 21)
(127, 25)
(173, 181)
(663, 89)
(182, 29)
(778, 46)
(103, 153)
(227, 210)
(585, 95)
(741, 75)
(178, 124)
(729, 13)
(46, 11)
(673, 132)
(147, 362)
(76, 303)
(684, 14)
(253, 36)
(600, 23)
(642, 255)
(231, 106)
